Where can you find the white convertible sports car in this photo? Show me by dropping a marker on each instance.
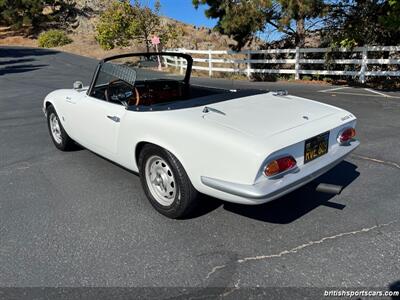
(248, 146)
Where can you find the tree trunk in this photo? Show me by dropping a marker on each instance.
(146, 39)
(300, 33)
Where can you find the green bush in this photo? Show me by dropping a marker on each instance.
(116, 25)
(306, 77)
(53, 38)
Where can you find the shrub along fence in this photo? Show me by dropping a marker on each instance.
(359, 62)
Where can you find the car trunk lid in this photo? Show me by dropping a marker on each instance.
(265, 114)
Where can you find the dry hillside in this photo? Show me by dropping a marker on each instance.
(83, 34)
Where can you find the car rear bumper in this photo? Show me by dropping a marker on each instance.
(270, 189)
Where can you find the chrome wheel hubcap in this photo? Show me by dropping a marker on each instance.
(55, 128)
(160, 180)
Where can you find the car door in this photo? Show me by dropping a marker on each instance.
(98, 124)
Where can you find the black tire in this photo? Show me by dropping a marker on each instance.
(185, 199)
(64, 142)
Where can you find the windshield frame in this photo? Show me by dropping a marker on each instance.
(186, 79)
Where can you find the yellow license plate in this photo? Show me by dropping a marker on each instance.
(316, 147)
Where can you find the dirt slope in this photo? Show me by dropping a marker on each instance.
(83, 34)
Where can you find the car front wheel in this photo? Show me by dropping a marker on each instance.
(166, 183)
(60, 138)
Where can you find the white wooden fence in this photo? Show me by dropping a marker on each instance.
(358, 65)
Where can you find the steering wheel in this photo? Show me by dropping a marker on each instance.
(121, 94)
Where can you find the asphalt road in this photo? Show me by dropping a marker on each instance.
(76, 219)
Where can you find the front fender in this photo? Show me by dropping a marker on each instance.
(58, 99)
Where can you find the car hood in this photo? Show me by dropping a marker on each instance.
(266, 114)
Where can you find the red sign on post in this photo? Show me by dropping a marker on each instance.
(155, 40)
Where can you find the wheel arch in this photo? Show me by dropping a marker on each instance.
(140, 145)
(53, 100)
(48, 103)
(138, 148)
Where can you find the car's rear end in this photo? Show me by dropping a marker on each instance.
(304, 140)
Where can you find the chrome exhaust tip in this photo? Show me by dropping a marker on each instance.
(329, 188)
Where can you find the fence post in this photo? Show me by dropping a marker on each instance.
(209, 63)
(248, 71)
(176, 62)
(181, 62)
(297, 64)
(363, 64)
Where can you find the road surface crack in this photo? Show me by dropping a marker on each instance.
(231, 290)
(379, 161)
(296, 249)
(215, 269)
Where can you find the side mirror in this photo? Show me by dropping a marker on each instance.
(78, 85)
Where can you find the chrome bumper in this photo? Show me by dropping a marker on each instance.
(271, 189)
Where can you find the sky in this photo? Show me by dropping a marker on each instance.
(183, 10)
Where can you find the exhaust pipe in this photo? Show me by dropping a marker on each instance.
(329, 188)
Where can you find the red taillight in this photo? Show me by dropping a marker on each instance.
(280, 165)
(346, 135)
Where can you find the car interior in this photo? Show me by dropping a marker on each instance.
(118, 83)
(150, 92)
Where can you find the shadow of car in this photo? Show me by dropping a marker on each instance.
(292, 206)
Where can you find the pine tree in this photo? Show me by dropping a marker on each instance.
(35, 14)
(243, 19)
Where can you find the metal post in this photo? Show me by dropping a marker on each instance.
(297, 64)
(363, 64)
(248, 65)
(209, 63)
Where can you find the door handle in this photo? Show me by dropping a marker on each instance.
(114, 118)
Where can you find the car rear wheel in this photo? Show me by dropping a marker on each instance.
(166, 183)
(58, 135)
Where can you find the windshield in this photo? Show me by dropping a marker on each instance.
(141, 68)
